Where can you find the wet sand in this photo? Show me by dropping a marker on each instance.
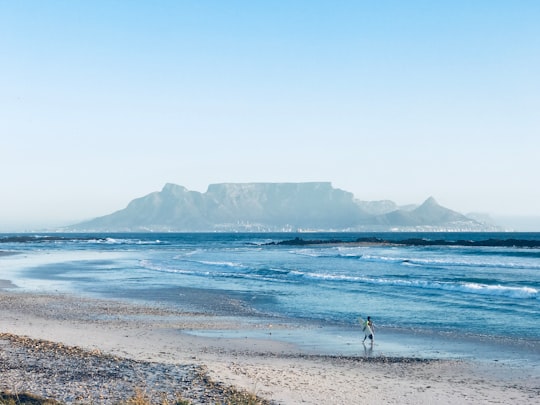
(77, 350)
(6, 284)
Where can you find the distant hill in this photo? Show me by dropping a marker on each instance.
(430, 213)
(277, 207)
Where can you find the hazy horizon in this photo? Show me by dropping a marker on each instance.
(104, 102)
(506, 223)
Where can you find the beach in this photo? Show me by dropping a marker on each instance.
(83, 350)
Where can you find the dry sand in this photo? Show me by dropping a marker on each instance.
(146, 343)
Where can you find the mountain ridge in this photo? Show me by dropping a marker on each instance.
(272, 207)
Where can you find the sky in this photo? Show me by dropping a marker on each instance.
(102, 102)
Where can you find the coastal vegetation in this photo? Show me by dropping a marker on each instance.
(8, 398)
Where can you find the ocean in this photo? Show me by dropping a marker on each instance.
(449, 295)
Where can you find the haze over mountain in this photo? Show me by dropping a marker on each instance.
(261, 207)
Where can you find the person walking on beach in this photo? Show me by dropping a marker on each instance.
(369, 330)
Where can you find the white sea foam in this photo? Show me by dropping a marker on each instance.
(472, 288)
(148, 265)
(453, 261)
(221, 264)
(420, 258)
(112, 241)
(514, 292)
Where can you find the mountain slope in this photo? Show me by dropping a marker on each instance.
(429, 214)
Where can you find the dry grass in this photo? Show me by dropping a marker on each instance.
(141, 398)
(7, 398)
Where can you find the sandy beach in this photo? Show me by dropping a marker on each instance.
(81, 350)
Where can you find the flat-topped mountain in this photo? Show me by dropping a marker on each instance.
(272, 207)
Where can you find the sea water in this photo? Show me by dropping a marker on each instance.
(435, 300)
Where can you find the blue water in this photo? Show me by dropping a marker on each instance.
(486, 294)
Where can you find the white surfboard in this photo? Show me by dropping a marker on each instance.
(366, 328)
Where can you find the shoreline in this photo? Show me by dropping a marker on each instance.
(6, 284)
(162, 339)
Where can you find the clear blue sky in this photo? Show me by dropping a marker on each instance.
(102, 102)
